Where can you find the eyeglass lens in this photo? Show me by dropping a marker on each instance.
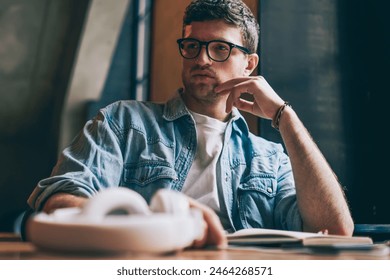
(218, 51)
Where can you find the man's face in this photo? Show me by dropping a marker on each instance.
(201, 75)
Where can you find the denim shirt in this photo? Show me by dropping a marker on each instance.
(146, 146)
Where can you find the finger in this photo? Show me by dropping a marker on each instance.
(215, 234)
(201, 242)
(235, 94)
(231, 83)
(244, 105)
(325, 231)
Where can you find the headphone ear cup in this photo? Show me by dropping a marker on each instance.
(169, 201)
(112, 199)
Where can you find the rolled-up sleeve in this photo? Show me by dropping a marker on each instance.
(92, 162)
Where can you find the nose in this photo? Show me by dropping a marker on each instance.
(203, 58)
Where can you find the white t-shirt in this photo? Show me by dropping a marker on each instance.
(201, 182)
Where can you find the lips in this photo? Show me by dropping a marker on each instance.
(203, 73)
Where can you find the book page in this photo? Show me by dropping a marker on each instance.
(268, 236)
(262, 232)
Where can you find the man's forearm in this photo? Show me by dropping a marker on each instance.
(63, 200)
(320, 197)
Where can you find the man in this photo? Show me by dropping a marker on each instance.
(199, 144)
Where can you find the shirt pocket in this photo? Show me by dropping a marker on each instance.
(146, 177)
(256, 199)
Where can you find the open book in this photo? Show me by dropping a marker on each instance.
(260, 236)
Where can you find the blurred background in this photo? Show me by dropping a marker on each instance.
(62, 60)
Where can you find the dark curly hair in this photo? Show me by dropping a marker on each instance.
(232, 11)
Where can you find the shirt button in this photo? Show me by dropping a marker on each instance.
(269, 190)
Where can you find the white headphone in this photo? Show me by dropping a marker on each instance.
(167, 224)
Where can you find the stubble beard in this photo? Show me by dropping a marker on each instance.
(202, 92)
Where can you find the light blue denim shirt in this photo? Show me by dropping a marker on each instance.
(146, 146)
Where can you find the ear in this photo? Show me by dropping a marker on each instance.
(252, 62)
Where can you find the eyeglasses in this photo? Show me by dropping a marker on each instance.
(217, 50)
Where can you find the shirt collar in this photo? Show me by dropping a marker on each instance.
(175, 107)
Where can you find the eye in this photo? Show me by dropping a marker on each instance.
(220, 47)
(190, 45)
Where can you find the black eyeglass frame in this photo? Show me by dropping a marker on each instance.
(206, 43)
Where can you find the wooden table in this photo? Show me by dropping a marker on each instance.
(12, 248)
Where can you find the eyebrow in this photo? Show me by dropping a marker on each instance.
(214, 39)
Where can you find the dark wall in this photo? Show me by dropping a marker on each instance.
(366, 48)
(38, 40)
(330, 59)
